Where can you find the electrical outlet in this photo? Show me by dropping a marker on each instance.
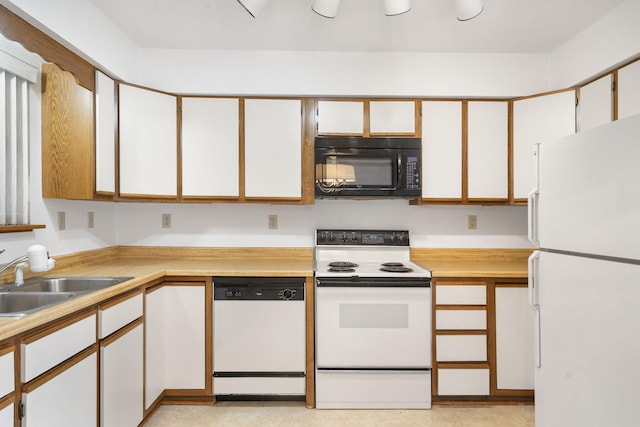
(472, 222)
(90, 220)
(273, 222)
(62, 221)
(166, 220)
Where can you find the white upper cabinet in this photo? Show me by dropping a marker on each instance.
(538, 119)
(629, 90)
(273, 148)
(441, 149)
(341, 117)
(488, 150)
(105, 133)
(210, 147)
(148, 142)
(392, 117)
(595, 107)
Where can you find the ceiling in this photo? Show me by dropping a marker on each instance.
(505, 26)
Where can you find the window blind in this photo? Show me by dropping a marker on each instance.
(14, 149)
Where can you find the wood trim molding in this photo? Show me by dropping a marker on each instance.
(34, 40)
(20, 228)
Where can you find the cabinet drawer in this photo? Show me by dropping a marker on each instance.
(463, 382)
(6, 373)
(461, 348)
(112, 318)
(461, 295)
(46, 352)
(6, 415)
(461, 319)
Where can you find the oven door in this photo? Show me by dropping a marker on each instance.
(373, 327)
(358, 172)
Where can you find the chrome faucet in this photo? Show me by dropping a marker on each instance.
(19, 267)
(39, 261)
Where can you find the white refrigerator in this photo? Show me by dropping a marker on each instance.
(584, 281)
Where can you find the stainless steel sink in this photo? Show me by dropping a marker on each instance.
(38, 293)
(15, 304)
(68, 284)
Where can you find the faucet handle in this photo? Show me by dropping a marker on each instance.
(2, 250)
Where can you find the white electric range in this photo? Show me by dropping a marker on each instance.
(373, 321)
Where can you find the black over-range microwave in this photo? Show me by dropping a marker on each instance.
(360, 167)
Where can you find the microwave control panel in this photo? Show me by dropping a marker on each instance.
(412, 173)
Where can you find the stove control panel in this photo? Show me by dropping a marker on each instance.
(362, 237)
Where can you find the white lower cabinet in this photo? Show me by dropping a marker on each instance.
(514, 339)
(174, 339)
(6, 415)
(463, 382)
(6, 372)
(121, 378)
(68, 399)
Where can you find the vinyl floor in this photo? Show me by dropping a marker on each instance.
(284, 414)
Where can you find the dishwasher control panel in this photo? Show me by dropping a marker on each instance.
(258, 288)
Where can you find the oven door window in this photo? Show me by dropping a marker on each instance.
(373, 327)
(358, 171)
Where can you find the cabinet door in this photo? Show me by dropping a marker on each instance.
(514, 339)
(595, 107)
(535, 120)
(68, 399)
(121, 373)
(154, 325)
(148, 142)
(629, 90)
(210, 147)
(341, 117)
(105, 133)
(67, 137)
(488, 150)
(174, 340)
(6, 415)
(442, 149)
(273, 148)
(185, 337)
(6, 371)
(392, 117)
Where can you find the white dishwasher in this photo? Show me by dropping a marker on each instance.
(259, 338)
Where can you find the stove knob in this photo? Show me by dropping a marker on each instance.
(287, 294)
(354, 237)
(332, 238)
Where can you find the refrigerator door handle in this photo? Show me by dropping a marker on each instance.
(532, 214)
(533, 265)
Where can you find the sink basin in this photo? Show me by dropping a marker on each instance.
(68, 284)
(13, 304)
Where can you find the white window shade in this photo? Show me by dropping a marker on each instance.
(18, 68)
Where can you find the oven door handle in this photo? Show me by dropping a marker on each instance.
(373, 282)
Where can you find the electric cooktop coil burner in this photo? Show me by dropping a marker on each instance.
(342, 267)
(343, 264)
(395, 267)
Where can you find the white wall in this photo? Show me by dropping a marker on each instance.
(343, 73)
(247, 225)
(613, 39)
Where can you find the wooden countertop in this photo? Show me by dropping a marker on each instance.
(473, 262)
(146, 264)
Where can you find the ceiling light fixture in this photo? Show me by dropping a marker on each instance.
(396, 7)
(468, 9)
(326, 8)
(254, 7)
